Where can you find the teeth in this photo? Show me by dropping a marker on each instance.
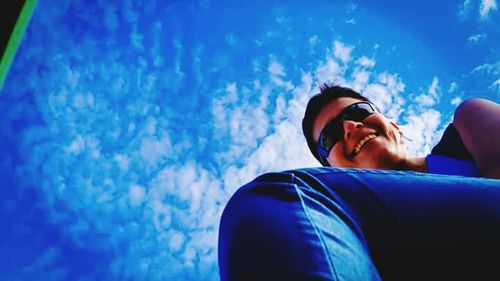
(362, 142)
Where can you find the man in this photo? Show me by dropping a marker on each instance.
(357, 135)
(344, 130)
(375, 214)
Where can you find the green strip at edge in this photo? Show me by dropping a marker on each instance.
(15, 38)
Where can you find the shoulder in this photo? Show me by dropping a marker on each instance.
(478, 123)
(471, 109)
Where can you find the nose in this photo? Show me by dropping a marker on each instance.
(350, 126)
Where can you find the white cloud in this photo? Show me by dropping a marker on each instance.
(136, 39)
(453, 87)
(176, 240)
(456, 101)
(76, 146)
(136, 194)
(425, 100)
(276, 68)
(487, 6)
(154, 149)
(477, 38)
(352, 7)
(231, 89)
(495, 86)
(365, 62)
(328, 71)
(434, 88)
(489, 71)
(422, 129)
(389, 102)
(431, 97)
(123, 161)
(423, 122)
(342, 51)
(129, 13)
(350, 21)
(464, 9)
(178, 73)
(361, 77)
(488, 68)
(277, 72)
(313, 40)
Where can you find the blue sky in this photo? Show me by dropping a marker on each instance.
(127, 126)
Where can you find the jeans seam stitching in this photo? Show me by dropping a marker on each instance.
(318, 233)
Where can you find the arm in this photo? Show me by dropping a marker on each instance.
(478, 123)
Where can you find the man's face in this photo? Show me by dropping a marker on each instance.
(374, 143)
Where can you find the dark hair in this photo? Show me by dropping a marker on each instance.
(327, 94)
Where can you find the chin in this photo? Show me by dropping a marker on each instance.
(384, 160)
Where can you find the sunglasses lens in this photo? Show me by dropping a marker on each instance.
(358, 112)
(331, 135)
(333, 132)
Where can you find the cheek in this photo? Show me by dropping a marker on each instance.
(338, 157)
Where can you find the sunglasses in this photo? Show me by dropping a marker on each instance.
(334, 130)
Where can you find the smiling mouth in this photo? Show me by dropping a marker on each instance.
(362, 142)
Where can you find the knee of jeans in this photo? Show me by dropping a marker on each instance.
(279, 225)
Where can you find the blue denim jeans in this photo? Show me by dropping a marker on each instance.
(354, 224)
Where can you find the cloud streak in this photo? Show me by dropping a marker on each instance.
(486, 7)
